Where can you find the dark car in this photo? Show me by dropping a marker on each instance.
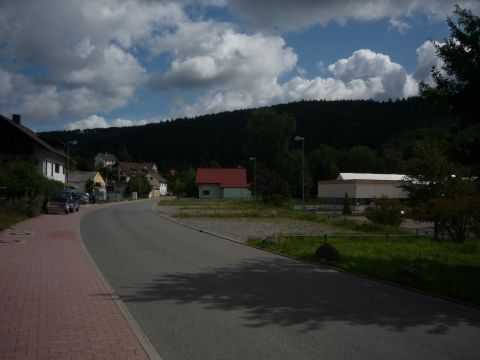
(62, 202)
(57, 203)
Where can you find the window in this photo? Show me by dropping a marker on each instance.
(206, 193)
(57, 168)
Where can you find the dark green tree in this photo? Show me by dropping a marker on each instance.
(269, 136)
(323, 163)
(387, 212)
(431, 176)
(457, 81)
(346, 210)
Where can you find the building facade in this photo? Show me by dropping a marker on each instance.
(361, 189)
(222, 184)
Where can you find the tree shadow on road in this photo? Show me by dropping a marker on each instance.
(285, 292)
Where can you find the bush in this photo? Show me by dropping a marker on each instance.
(387, 212)
(26, 189)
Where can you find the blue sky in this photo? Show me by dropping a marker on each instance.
(67, 64)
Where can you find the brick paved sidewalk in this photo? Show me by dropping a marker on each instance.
(53, 305)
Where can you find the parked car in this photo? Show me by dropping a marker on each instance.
(57, 203)
(73, 201)
(83, 198)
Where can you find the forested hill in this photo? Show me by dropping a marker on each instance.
(222, 137)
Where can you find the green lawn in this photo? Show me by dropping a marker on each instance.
(447, 268)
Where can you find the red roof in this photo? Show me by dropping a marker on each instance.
(226, 178)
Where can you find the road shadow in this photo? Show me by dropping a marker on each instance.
(290, 293)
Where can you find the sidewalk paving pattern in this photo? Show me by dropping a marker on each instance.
(53, 305)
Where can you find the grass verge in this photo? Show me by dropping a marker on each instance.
(446, 268)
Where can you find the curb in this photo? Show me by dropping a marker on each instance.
(132, 323)
(358, 275)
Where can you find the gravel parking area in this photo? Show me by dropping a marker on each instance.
(242, 229)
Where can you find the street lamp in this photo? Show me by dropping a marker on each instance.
(72, 142)
(299, 138)
(254, 178)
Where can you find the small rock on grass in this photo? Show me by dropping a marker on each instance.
(328, 252)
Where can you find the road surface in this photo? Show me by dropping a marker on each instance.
(197, 296)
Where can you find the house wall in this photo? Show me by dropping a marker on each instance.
(163, 189)
(50, 165)
(236, 193)
(98, 179)
(209, 191)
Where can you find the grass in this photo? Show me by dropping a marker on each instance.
(447, 269)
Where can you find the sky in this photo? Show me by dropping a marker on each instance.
(69, 64)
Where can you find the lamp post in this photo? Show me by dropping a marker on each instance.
(254, 178)
(299, 138)
(72, 142)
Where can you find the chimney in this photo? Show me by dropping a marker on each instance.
(17, 119)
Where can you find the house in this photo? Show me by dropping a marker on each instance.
(222, 183)
(361, 189)
(103, 160)
(78, 180)
(19, 142)
(158, 183)
(125, 170)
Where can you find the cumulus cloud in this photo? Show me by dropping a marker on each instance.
(363, 75)
(288, 15)
(95, 121)
(208, 54)
(426, 59)
(86, 51)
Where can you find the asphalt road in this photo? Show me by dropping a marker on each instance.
(197, 296)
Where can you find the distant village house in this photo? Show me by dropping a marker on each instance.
(222, 184)
(125, 170)
(103, 160)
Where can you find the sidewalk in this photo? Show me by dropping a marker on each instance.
(53, 305)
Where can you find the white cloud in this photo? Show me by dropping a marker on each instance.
(426, 59)
(364, 75)
(399, 25)
(287, 14)
(209, 55)
(95, 121)
(86, 50)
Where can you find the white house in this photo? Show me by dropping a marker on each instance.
(362, 189)
(19, 142)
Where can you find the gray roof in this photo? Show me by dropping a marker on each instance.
(81, 176)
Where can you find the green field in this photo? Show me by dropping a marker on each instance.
(446, 268)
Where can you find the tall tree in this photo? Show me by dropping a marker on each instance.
(457, 81)
(432, 176)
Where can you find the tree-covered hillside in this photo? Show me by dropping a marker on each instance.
(222, 137)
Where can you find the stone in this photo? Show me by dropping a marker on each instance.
(272, 239)
(327, 252)
(411, 273)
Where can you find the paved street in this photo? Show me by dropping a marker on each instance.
(197, 296)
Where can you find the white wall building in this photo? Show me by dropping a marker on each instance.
(362, 190)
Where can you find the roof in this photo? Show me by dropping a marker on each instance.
(226, 178)
(34, 136)
(106, 157)
(366, 176)
(129, 167)
(159, 178)
(81, 176)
